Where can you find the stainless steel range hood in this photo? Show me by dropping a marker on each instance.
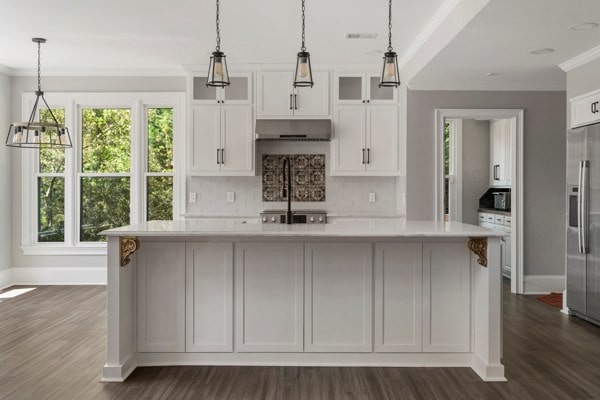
(293, 129)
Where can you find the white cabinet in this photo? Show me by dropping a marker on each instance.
(277, 97)
(398, 297)
(365, 140)
(338, 293)
(221, 140)
(446, 300)
(268, 297)
(501, 152)
(362, 88)
(160, 270)
(585, 110)
(209, 297)
(238, 92)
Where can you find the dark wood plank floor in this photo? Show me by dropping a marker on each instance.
(52, 346)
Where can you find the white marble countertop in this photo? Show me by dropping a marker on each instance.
(367, 228)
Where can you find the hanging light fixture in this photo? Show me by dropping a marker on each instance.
(303, 76)
(390, 76)
(218, 75)
(35, 134)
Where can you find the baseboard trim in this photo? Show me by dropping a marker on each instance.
(59, 276)
(542, 284)
(6, 278)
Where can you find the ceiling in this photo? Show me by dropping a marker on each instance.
(141, 37)
(499, 40)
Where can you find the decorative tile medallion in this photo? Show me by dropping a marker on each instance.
(308, 177)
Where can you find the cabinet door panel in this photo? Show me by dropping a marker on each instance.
(268, 289)
(237, 139)
(274, 91)
(314, 101)
(160, 271)
(348, 143)
(582, 110)
(349, 88)
(398, 297)
(209, 297)
(205, 138)
(446, 297)
(338, 293)
(382, 138)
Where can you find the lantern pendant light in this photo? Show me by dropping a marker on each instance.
(303, 76)
(34, 134)
(218, 75)
(390, 76)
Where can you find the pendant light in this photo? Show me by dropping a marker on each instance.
(34, 134)
(218, 75)
(303, 76)
(390, 76)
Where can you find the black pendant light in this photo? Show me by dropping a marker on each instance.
(218, 75)
(303, 76)
(390, 76)
(34, 134)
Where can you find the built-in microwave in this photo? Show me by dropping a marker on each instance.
(502, 201)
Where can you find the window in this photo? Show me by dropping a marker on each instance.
(122, 170)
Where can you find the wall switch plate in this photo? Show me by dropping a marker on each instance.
(191, 197)
(230, 197)
(371, 197)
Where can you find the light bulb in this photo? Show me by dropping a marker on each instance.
(390, 71)
(218, 69)
(18, 137)
(303, 69)
(36, 137)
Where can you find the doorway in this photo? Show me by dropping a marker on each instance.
(465, 177)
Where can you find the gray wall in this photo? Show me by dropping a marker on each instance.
(5, 181)
(476, 166)
(582, 80)
(544, 165)
(20, 85)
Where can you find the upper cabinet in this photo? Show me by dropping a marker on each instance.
(585, 110)
(220, 127)
(239, 92)
(501, 152)
(361, 88)
(277, 97)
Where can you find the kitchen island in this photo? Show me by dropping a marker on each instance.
(361, 293)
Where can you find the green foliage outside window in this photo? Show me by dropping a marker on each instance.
(106, 144)
(160, 140)
(104, 205)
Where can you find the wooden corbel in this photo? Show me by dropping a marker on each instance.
(128, 246)
(479, 247)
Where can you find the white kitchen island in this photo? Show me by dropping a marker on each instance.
(361, 293)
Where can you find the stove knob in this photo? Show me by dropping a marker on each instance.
(273, 219)
(264, 219)
(312, 219)
(320, 219)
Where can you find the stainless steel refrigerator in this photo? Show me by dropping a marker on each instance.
(583, 222)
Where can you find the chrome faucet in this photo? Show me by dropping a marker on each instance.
(287, 189)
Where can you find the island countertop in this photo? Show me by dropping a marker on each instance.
(369, 228)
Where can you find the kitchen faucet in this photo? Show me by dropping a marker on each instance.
(287, 190)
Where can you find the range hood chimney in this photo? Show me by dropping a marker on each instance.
(293, 129)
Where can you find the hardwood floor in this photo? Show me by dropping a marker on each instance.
(52, 346)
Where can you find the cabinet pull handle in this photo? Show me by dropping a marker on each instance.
(218, 156)
(363, 156)
(368, 156)
(595, 107)
(222, 156)
(295, 102)
(291, 100)
(364, 102)
(368, 101)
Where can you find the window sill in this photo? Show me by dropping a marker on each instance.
(58, 250)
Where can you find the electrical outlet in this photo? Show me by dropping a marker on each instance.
(371, 197)
(191, 197)
(230, 197)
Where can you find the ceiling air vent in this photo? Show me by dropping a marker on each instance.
(361, 35)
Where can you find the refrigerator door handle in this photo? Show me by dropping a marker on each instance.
(579, 207)
(584, 205)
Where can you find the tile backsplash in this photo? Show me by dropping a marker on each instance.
(307, 173)
(346, 195)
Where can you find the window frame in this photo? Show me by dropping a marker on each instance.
(73, 104)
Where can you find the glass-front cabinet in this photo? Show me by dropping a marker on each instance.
(239, 92)
(362, 88)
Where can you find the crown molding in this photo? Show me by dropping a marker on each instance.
(102, 72)
(581, 59)
(6, 70)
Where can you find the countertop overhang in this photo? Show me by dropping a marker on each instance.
(370, 228)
